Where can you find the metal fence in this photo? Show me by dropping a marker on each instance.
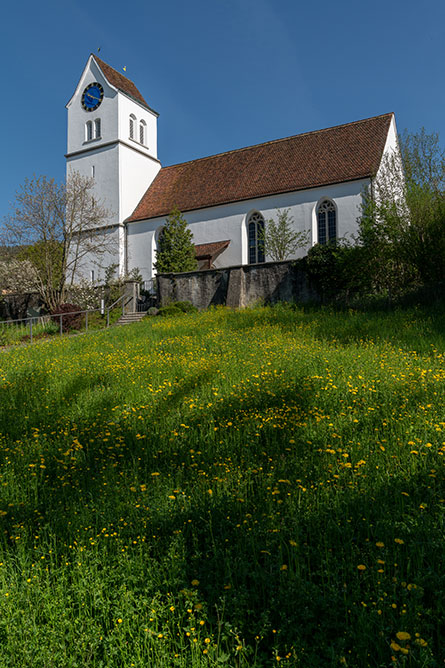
(24, 329)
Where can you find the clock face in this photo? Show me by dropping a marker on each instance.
(92, 96)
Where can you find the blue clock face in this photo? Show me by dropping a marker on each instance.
(92, 96)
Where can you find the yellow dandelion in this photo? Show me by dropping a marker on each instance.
(283, 567)
(394, 646)
(403, 635)
(399, 541)
(361, 567)
(380, 544)
(195, 583)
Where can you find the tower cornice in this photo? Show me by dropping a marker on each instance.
(115, 142)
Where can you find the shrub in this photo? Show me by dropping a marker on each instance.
(71, 318)
(85, 294)
(339, 270)
(177, 308)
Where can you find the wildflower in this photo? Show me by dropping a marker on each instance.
(421, 642)
(399, 541)
(361, 567)
(195, 583)
(206, 640)
(283, 567)
(119, 621)
(395, 646)
(380, 544)
(403, 635)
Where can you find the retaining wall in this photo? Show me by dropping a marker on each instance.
(240, 286)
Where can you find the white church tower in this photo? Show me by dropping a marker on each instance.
(112, 136)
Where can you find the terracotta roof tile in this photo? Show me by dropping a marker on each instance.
(342, 153)
(118, 80)
(212, 249)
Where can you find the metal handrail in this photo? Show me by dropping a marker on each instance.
(102, 309)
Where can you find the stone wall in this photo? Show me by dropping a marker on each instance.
(240, 286)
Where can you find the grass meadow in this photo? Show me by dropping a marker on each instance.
(232, 488)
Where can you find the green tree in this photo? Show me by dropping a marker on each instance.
(176, 250)
(280, 239)
(402, 226)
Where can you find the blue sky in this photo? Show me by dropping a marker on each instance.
(221, 73)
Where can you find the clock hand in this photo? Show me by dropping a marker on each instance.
(93, 97)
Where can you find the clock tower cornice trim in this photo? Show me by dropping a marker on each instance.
(115, 142)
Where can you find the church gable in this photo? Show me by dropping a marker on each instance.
(324, 157)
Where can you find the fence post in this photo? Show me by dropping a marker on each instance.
(108, 317)
(86, 321)
(60, 328)
(30, 330)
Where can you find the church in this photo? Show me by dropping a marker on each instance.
(226, 198)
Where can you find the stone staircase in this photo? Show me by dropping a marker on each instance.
(129, 318)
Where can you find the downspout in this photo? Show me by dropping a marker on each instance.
(126, 249)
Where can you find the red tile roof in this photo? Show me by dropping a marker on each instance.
(210, 250)
(118, 80)
(342, 153)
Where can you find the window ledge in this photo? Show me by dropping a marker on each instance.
(91, 141)
(135, 141)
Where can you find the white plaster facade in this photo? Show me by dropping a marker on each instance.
(229, 221)
(124, 168)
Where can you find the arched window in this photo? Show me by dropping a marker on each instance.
(132, 126)
(97, 128)
(89, 130)
(142, 127)
(326, 222)
(255, 231)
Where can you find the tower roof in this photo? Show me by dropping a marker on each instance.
(334, 155)
(120, 82)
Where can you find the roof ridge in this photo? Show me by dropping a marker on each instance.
(121, 82)
(277, 141)
(100, 61)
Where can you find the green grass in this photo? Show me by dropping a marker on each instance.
(18, 332)
(231, 488)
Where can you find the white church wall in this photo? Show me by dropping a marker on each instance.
(137, 172)
(229, 222)
(390, 173)
(99, 262)
(129, 106)
(103, 165)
